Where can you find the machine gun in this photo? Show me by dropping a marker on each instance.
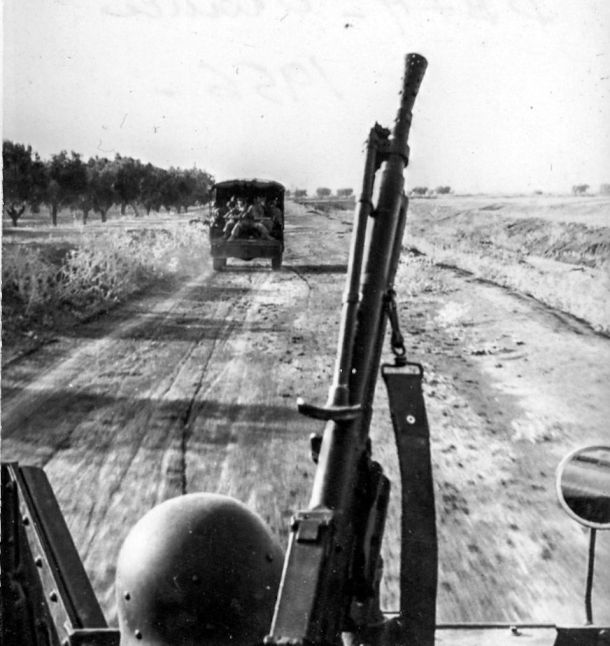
(330, 584)
(329, 592)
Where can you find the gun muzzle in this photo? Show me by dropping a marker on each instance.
(415, 67)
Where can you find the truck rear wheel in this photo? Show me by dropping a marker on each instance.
(276, 262)
(219, 263)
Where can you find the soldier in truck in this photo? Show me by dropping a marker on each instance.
(250, 222)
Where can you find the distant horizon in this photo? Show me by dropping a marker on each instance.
(516, 94)
(592, 190)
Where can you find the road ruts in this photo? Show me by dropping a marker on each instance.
(189, 389)
(193, 389)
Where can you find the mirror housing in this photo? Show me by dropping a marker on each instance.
(583, 486)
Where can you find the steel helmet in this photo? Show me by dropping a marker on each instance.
(197, 569)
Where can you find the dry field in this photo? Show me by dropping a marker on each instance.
(190, 385)
(554, 249)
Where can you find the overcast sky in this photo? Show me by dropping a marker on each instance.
(516, 97)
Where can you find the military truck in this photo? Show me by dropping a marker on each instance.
(251, 245)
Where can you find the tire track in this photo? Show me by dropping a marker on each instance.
(170, 409)
(18, 408)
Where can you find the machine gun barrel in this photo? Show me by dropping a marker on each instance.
(346, 379)
(373, 262)
(385, 226)
(320, 580)
(339, 391)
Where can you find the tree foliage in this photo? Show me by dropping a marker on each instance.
(323, 192)
(129, 174)
(67, 186)
(580, 189)
(443, 190)
(419, 190)
(345, 192)
(101, 173)
(66, 181)
(23, 181)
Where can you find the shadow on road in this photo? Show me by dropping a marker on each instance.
(245, 269)
(182, 328)
(65, 419)
(318, 269)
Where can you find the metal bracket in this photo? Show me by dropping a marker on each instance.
(49, 596)
(329, 413)
(385, 146)
(397, 341)
(308, 525)
(379, 142)
(582, 636)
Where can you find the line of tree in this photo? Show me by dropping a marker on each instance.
(424, 190)
(580, 189)
(321, 192)
(67, 181)
(345, 192)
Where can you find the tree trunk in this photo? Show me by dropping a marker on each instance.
(123, 207)
(85, 215)
(54, 214)
(135, 209)
(103, 213)
(15, 213)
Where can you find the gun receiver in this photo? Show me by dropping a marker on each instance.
(332, 570)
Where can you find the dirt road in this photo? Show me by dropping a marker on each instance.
(192, 387)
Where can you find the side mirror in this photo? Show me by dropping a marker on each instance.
(583, 486)
(583, 489)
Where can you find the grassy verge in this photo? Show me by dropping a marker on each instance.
(565, 265)
(49, 285)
